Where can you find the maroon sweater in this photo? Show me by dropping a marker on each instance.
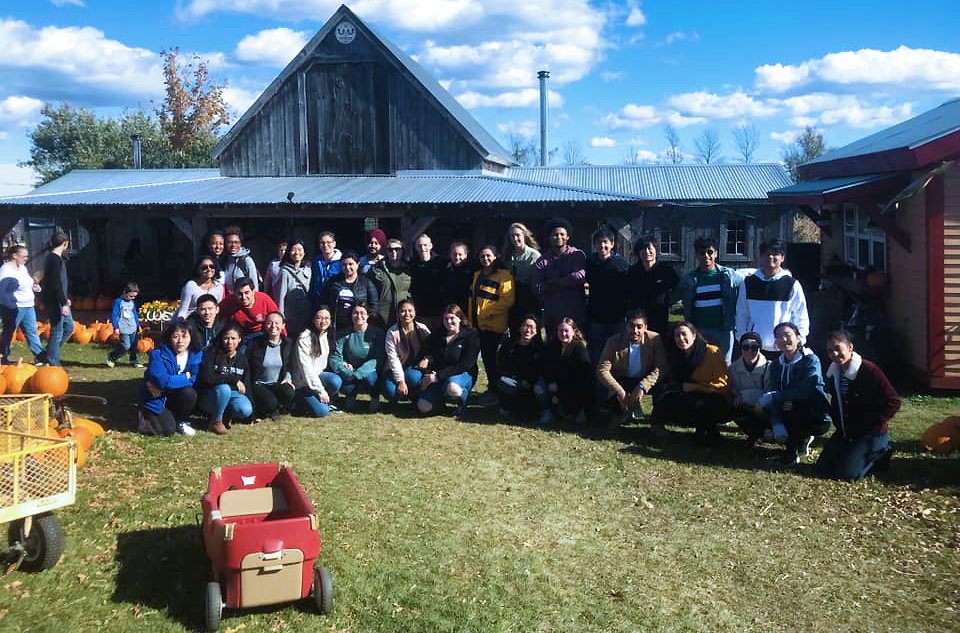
(869, 404)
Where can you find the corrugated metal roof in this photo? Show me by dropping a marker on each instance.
(912, 133)
(829, 185)
(168, 187)
(495, 151)
(679, 183)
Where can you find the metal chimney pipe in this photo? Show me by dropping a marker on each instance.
(543, 74)
(137, 158)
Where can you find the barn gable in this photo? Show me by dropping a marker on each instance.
(353, 103)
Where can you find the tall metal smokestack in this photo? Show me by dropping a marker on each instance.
(137, 158)
(543, 74)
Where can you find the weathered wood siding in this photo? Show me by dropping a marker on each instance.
(349, 109)
(951, 275)
(908, 288)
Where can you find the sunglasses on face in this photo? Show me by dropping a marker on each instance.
(208, 267)
(749, 346)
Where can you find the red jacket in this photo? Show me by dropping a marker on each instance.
(870, 401)
(249, 320)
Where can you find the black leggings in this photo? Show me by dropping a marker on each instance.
(489, 343)
(268, 399)
(691, 408)
(179, 406)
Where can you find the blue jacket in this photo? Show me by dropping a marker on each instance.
(163, 373)
(730, 280)
(320, 273)
(798, 382)
(115, 317)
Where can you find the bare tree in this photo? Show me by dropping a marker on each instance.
(572, 153)
(708, 146)
(524, 151)
(745, 137)
(674, 154)
(806, 147)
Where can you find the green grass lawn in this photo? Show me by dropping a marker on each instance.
(432, 524)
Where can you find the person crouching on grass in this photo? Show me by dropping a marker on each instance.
(452, 352)
(270, 359)
(126, 324)
(863, 402)
(630, 364)
(569, 375)
(167, 394)
(358, 359)
(224, 381)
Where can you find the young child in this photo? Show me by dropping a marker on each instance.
(127, 324)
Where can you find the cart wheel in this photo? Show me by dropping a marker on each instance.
(322, 590)
(214, 606)
(43, 547)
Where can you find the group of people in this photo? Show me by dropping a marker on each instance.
(562, 335)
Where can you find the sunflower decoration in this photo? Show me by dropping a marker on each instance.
(158, 311)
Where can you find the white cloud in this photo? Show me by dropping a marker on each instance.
(20, 111)
(271, 47)
(602, 141)
(636, 16)
(785, 137)
(732, 106)
(75, 64)
(239, 99)
(523, 129)
(610, 76)
(644, 156)
(15, 180)
(829, 109)
(513, 99)
(636, 117)
(905, 68)
(680, 36)
(62, 3)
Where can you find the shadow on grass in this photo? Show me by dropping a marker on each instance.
(120, 412)
(164, 569)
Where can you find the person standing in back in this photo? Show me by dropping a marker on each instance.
(55, 296)
(709, 295)
(606, 305)
(650, 283)
(558, 278)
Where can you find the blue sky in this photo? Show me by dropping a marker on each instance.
(620, 71)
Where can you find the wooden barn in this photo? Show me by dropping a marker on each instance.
(889, 205)
(353, 133)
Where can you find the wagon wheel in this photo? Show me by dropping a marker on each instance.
(65, 415)
(42, 542)
(213, 606)
(322, 590)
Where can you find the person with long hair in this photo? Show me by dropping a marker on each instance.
(491, 297)
(18, 304)
(271, 362)
(216, 248)
(316, 384)
(348, 289)
(406, 344)
(457, 275)
(650, 283)
(520, 368)
(696, 384)
(205, 281)
(55, 297)
(862, 403)
(291, 290)
(795, 400)
(519, 255)
(224, 382)
(568, 374)
(358, 359)
(272, 270)
(451, 369)
(167, 394)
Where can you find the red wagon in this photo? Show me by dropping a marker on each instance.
(262, 537)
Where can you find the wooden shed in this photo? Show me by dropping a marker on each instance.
(889, 205)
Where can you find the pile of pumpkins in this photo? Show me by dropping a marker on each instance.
(102, 303)
(96, 332)
(24, 378)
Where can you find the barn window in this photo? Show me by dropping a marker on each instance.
(736, 237)
(669, 239)
(864, 244)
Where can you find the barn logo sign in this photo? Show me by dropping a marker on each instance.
(346, 32)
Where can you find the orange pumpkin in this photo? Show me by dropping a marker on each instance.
(52, 380)
(145, 345)
(80, 435)
(103, 303)
(3, 384)
(17, 376)
(943, 437)
(18, 336)
(83, 335)
(95, 429)
(87, 304)
(104, 333)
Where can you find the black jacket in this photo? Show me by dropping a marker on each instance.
(425, 286)
(459, 356)
(364, 291)
(607, 301)
(650, 290)
(54, 283)
(456, 284)
(204, 335)
(257, 349)
(521, 362)
(217, 369)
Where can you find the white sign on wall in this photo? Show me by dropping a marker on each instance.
(345, 32)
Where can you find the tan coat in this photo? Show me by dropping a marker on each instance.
(615, 361)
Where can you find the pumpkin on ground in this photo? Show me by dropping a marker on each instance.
(80, 435)
(3, 384)
(103, 303)
(104, 333)
(18, 336)
(53, 380)
(145, 345)
(83, 335)
(943, 437)
(95, 429)
(17, 376)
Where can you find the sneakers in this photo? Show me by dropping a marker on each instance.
(147, 427)
(185, 429)
(790, 457)
(110, 363)
(218, 428)
(488, 399)
(137, 365)
(804, 449)
(334, 408)
(374, 404)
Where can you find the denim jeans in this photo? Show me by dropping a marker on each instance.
(436, 392)
(220, 400)
(25, 318)
(850, 459)
(310, 401)
(61, 327)
(411, 375)
(367, 384)
(127, 343)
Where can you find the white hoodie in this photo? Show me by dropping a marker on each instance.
(764, 303)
